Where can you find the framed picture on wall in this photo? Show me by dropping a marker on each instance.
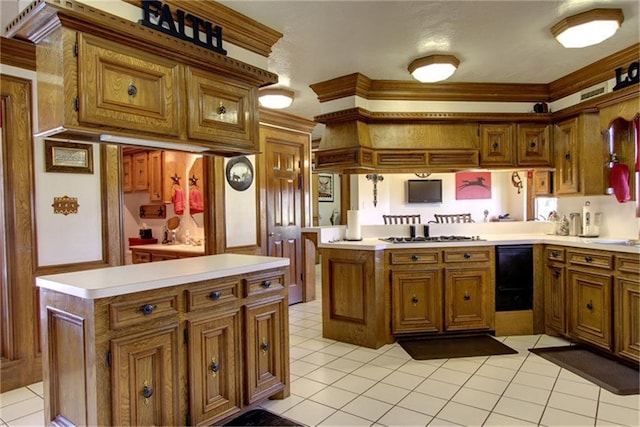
(325, 187)
(473, 185)
(68, 157)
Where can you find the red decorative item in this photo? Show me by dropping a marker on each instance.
(473, 185)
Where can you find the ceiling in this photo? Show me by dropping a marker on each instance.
(495, 41)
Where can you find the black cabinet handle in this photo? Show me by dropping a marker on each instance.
(588, 259)
(147, 309)
(415, 257)
(554, 254)
(264, 346)
(265, 284)
(414, 300)
(556, 273)
(494, 145)
(567, 156)
(214, 368)
(132, 90)
(466, 255)
(532, 144)
(147, 392)
(215, 295)
(466, 297)
(590, 305)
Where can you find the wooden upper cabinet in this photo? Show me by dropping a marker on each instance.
(222, 109)
(496, 142)
(127, 182)
(534, 145)
(156, 175)
(567, 158)
(139, 171)
(125, 88)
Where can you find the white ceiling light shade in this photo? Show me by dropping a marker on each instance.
(433, 68)
(276, 98)
(588, 28)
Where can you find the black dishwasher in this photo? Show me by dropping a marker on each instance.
(514, 277)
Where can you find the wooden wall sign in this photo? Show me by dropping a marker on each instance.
(158, 16)
(65, 205)
(632, 77)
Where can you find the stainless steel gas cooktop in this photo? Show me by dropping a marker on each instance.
(431, 239)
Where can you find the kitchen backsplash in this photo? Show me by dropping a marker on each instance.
(618, 219)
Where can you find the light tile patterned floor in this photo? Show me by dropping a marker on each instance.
(338, 384)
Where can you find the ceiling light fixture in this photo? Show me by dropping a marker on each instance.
(588, 28)
(433, 68)
(276, 98)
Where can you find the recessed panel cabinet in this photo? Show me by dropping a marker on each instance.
(496, 143)
(534, 145)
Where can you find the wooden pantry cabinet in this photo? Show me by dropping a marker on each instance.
(191, 354)
(442, 290)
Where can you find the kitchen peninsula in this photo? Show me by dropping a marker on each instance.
(181, 342)
(373, 291)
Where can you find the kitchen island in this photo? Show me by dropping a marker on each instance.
(373, 291)
(181, 342)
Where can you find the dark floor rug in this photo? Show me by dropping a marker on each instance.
(260, 417)
(609, 374)
(425, 348)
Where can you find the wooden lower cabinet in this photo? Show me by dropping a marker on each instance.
(184, 355)
(442, 290)
(142, 255)
(591, 305)
(627, 307)
(555, 301)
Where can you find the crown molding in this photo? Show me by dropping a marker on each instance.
(285, 120)
(238, 29)
(18, 53)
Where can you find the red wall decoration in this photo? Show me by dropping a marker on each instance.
(473, 185)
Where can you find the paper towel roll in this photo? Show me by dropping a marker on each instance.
(353, 225)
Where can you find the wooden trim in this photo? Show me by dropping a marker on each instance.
(595, 104)
(237, 29)
(598, 72)
(112, 203)
(18, 53)
(286, 120)
(45, 16)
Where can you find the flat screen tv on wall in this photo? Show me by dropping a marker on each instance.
(424, 191)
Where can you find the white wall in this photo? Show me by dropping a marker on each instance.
(326, 209)
(392, 198)
(241, 212)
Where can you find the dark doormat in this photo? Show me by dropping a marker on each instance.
(425, 348)
(609, 374)
(261, 417)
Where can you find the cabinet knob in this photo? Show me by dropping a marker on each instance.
(132, 90)
(215, 295)
(415, 257)
(556, 273)
(414, 300)
(532, 144)
(588, 259)
(494, 145)
(214, 367)
(266, 283)
(590, 305)
(567, 156)
(264, 346)
(147, 309)
(147, 392)
(466, 255)
(554, 254)
(466, 296)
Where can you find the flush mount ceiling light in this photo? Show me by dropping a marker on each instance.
(433, 68)
(588, 28)
(276, 98)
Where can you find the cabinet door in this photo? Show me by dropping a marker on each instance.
(496, 145)
(140, 176)
(567, 174)
(222, 110)
(534, 146)
(265, 347)
(214, 380)
(542, 183)
(416, 298)
(155, 175)
(469, 302)
(123, 87)
(591, 315)
(145, 381)
(554, 298)
(127, 180)
(627, 309)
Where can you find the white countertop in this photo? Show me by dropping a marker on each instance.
(180, 247)
(113, 281)
(374, 243)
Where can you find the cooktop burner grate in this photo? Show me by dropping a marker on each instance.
(430, 239)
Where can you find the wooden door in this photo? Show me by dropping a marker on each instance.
(627, 311)
(496, 145)
(554, 298)
(467, 300)
(534, 147)
(416, 299)
(145, 380)
(567, 173)
(284, 209)
(214, 383)
(591, 304)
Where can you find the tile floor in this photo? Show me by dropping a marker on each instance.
(338, 384)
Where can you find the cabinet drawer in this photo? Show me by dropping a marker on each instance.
(140, 257)
(628, 264)
(414, 257)
(256, 284)
(554, 253)
(467, 255)
(212, 293)
(151, 308)
(590, 259)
